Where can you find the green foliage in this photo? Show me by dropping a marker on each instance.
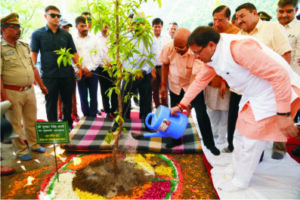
(123, 41)
(65, 56)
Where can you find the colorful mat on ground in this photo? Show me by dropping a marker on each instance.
(90, 133)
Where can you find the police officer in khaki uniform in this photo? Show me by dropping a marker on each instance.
(17, 76)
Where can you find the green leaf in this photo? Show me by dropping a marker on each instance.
(109, 137)
(125, 131)
(59, 60)
(65, 61)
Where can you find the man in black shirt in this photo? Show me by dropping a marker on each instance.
(58, 80)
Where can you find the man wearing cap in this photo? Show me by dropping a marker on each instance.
(264, 16)
(17, 75)
(64, 24)
(58, 79)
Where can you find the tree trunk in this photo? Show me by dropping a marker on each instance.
(119, 67)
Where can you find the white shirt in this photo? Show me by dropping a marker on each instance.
(104, 48)
(89, 49)
(138, 58)
(293, 31)
(157, 46)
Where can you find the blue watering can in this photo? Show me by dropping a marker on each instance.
(165, 124)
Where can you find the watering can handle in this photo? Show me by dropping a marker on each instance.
(147, 120)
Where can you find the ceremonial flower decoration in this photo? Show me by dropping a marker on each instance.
(165, 178)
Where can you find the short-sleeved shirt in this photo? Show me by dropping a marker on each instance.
(89, 49)
(271, 34)
(293, 31)
(157, 46)
(182, 68)
(46, 42)
(16, 64)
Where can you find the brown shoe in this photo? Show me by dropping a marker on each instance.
(6, 170)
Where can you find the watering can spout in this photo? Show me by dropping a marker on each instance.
(165, 124)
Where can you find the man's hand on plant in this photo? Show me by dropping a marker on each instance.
(86, 72)
(78, 75)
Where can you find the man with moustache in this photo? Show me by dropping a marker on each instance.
(286, 15)
(217, 95)
(88, 48)
(179, 68)
(271, 34)
(17, 75)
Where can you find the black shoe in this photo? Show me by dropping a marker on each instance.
(137, 136)
(277, 156)
(296, 152)
(214, 150)
(174, 143)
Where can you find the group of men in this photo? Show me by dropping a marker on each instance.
(262, 71)
(234, 75)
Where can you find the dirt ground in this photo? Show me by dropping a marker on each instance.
(196, 183)
(25, 182)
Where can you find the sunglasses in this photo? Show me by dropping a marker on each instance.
(14, 26)
(54, 15)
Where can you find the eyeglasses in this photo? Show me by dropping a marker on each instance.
(14, 26)
(289, 11)
(179, 48)
(197, 53)
(54, 15)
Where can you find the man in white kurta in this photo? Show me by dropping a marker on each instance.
(271, 96)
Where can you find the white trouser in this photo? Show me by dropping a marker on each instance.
(245, 158)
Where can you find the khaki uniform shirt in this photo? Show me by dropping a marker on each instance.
(271, 34)
(16, 64)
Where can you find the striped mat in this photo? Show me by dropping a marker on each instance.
(90, 133)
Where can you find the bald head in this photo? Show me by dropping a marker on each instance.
(181, 36)
(180, 40)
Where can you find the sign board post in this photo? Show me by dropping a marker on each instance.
(52, 133)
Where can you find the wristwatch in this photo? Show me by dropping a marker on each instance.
(284, 114)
